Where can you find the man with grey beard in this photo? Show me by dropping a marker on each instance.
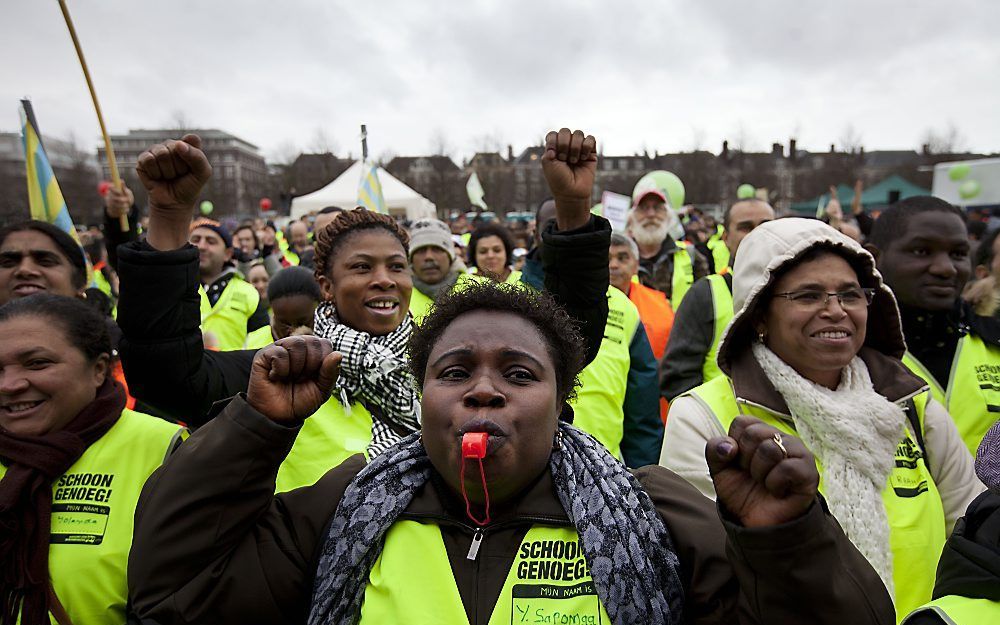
(664, 264)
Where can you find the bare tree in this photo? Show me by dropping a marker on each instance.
(488, 142)
(284, 153)
(322, 143)
(850, 139)
(180, 121)
(948, 140)
(439, 144)
(742, 141)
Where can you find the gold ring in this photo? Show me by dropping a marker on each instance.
(777, 441)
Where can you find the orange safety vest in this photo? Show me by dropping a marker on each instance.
(657, 316)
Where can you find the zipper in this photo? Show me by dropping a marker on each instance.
(477, 539)
(478, 533)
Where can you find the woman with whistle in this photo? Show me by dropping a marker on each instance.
(499, 510)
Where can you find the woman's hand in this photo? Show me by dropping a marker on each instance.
(569, 164)
(755, 480)
(291, 379)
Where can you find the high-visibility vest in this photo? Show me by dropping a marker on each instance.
(722, 313)
(327, 438)
(656, 314)
(956, 610)
(912, 502)
(549, 581)
(599, 407)
(93, 507)
(973, 393)
(227, 320)
(683, 276)
(720, 253)
(420, 305)
(259, 338)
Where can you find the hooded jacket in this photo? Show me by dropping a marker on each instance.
(761, 255)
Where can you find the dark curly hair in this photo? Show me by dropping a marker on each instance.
(346, 224)
(83, 326)
(565, 344)
(491, 229)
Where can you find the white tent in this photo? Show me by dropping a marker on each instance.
(400, 200)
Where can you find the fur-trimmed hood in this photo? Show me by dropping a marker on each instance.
(777, 243)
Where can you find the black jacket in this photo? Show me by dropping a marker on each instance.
(970, 562)
(166, 364)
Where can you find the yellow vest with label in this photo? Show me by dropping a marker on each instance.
(973, 394)
(327, 438)
(538, 589)
(93, 505)
(599, 404)
(722, 310)
(912, 502)
(683, 276)
(955, 610)
(227, 320)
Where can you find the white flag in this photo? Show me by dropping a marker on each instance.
(475, 191)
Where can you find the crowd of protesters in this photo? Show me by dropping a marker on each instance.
(753, 418)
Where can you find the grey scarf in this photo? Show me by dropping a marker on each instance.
(628, 549)
(433, 290)
(374, 371)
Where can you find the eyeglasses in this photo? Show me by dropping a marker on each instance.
(851, 299)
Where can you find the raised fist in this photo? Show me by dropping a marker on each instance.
(292, 378)
(761, 476)
(174, 173)
(569, 164)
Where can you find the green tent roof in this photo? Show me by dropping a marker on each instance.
(872, 197)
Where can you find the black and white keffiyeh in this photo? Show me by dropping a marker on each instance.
(374, 371)
(625, 542)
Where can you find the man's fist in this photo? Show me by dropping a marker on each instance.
(762, 477)
(569, 164)
(174, 173)
(292, 378)
(118, 202)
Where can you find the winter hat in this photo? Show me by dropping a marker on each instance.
(215, 227)
(431, 232)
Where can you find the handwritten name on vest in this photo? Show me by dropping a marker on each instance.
(556, 560)
(84, 487)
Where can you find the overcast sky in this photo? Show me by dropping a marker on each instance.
(660, 75)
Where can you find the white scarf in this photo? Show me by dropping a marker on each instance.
(853, 431)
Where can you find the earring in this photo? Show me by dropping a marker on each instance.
(761, 335)
(557, 444)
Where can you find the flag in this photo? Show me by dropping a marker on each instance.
(370, 189)
(475, 190)
(45, 199)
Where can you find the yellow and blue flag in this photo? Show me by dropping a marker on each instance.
(370, 189)
(45, 199)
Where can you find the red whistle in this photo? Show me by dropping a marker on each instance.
(474, 445)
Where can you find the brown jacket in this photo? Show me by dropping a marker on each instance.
(213, 544)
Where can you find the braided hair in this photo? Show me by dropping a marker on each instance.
(346, 224)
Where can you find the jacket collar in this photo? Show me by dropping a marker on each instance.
(890, 379)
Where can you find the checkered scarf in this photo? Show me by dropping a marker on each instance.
(374, 372)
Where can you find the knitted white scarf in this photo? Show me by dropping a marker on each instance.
(853, 431)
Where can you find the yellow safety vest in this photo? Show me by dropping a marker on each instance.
(227, 320)
(599, 405)
(912, 502)
(259, 338)
(956, 610)
(420, 305)
(549, 581)
(93, 506)
(973, 394)
(722, 310)
(720, 253)
(683, 276)
(330, 436)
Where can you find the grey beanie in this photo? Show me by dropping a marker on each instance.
(425, 232)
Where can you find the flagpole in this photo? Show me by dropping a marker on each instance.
(112, 163)
(364, 143)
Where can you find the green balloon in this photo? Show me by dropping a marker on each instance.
(207, 207)
(959, 172)
(666, 182)
(969, 189)
(745, 191)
